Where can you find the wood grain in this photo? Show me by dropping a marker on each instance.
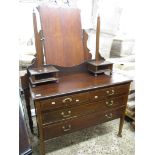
(80, 123)
(77, 82)
(63, 36)
(62, 114)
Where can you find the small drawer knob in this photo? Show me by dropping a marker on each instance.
(107, 91)
(109, 103)
(52, 103)
(77, 100)
(112, 101)
(108, 115)
(110, 92)
(62, 113)
(96, 97)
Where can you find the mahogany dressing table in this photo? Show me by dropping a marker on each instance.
(78, 99)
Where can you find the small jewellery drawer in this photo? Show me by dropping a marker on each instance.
(64, 101)
(108, 92)
(68, 126)
(63, 114)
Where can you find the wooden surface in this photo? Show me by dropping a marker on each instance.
(100, 67)
(63, 35)
(42, 70)
(41, 81)
(24, 84)
(24, 142)
(87, 53)
(51, 117)
(97, 54)
(76, 82)
(72, 125)
(99, 62)
(78, 101)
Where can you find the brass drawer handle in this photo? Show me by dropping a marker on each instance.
(63, 114)
(67, 99)
(108, 115)
(110, 93)
(66, 129)
(109, 103)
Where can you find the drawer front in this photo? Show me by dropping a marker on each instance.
(64, 101)
(80, 123)
(98, 95)
(63, 114)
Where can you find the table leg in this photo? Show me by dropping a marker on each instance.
(42, 148)
(40, 129)
(24, 83)
(121, 125)
(28, 107)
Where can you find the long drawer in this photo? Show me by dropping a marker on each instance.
(64, 101)
(67, 113)
(78, 98)
(101, 94)
(72, 125)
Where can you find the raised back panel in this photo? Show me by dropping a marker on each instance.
(63, 35)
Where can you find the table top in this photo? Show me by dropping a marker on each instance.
(99, 62)
(42, 70)
(76, 82)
